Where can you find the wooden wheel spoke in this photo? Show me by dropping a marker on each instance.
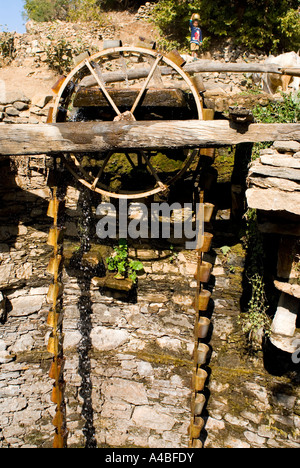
(130, 160)
(153, 171)
(99, 175)
(102, 87)
(137, 101)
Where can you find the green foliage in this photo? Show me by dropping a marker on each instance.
(256, 319)
(225, 249)
(85, 10)
(262, 24)
(285, 111)
(46, 10)
(120, 262)
(290, 26)
(7, 46)
(60, 54)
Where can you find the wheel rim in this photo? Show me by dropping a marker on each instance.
(67, 92)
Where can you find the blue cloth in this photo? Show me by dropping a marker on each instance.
(196, 33)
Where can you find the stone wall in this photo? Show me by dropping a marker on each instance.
(128, 362)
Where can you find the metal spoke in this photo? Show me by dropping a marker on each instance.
(102, 87)
(155, 65)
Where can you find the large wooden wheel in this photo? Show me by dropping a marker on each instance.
(131, 175)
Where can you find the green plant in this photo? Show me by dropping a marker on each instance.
(174, 254)
(287, 110)
(46, 10)
(60, 53)
(225, 249)
(265, 24)
(7, 45)
(256, 319)
(85, 10)
(120, 263)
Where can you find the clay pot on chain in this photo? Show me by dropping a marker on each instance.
(197, 444)
(202, 328)
(208, 237)
(203, 300)
(208, 211)
(196, 428)
(54, 293)
(175, 56)
(199, 404)
(53, 208)
(204, 272)
(202, 353)
(54, 264)
(55, 236)
(200, 379)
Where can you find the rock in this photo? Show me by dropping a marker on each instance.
(153, 418)
(127, 390)
(280, 161)
(273, 200)
(111, 282)
(12, 112)
(9, 97)
(105, 339)
(284, 322)
(26, 305)
(6, 357)
(41, 100)
(71, 339)
(287, 288)
(21, 106)
(287, 146)
(25, 343)
(254, 438)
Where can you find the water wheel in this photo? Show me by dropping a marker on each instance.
(147, 90)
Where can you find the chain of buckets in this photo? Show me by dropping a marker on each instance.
(202, 326)
(55, 317)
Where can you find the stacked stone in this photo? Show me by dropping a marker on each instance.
(145, 12)
(16, 108)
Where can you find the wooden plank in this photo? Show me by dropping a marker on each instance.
(93, 97)
(18, 139)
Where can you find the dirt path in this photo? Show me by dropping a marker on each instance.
(30, 81)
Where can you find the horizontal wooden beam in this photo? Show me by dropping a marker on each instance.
(28, 139)
(199, 66)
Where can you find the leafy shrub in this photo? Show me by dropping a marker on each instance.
(46, 10)
(85, 10)
(60, 53)
(264, 24)
(121, 264)
(7, 46)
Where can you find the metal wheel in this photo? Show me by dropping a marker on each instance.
(89, 92)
